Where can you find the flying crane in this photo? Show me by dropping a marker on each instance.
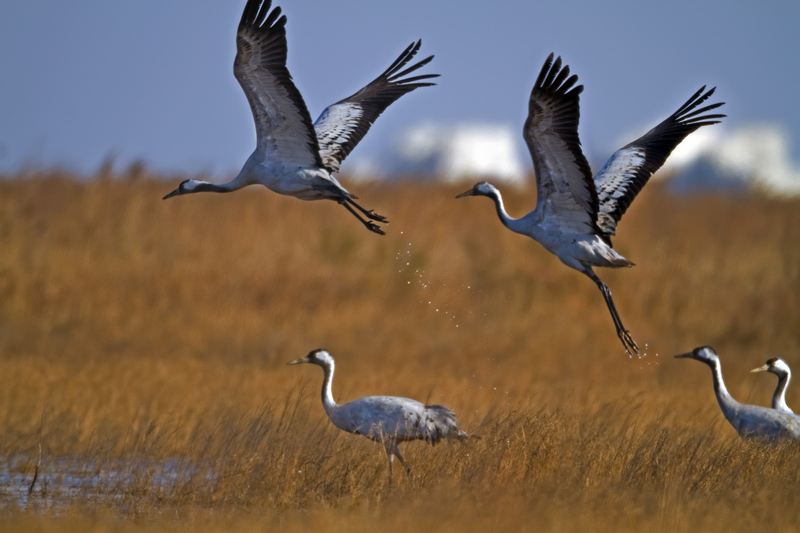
(575, 215)
(292, 156)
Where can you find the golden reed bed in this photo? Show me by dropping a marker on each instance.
(141, 333)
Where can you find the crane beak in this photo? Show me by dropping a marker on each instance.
(298, 361)
(761, 369)
(470, 192)
(176, 192)
(687, 354)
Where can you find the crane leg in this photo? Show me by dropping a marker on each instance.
(624, 335)
(402, 462)
(372, 215)
(370, 225)
(391, 453)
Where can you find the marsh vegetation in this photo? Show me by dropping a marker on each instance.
(143, 348)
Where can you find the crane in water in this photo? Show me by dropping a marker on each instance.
(778, 366)
(575, 215)
(750, 421)
(292, 156)
(389, 420)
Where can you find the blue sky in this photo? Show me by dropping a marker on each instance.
(152, 80)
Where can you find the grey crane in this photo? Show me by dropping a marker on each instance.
(292, 156)
(389, 420)
(575, 215)
(750, 421)
(778, 366)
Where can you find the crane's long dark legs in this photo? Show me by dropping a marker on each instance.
(402, 462)
(372, 215)
(391, 453)
(624, 335)
(370, 226)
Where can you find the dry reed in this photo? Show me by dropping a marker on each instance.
(151, 337)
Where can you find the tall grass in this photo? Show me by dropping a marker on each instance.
(153, 335)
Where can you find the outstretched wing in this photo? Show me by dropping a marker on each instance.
(283, 124)
(341, 126)
(626, 172)
(566, 191)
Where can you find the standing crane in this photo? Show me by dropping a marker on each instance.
(292, 156)
(778, 366)
(386, 419)
(748, 420)
(575, 215)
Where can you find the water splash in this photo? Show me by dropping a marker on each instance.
(421, 280)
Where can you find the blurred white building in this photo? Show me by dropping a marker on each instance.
(466, 151)
(752, 157)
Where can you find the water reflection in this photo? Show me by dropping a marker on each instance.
(65, 481)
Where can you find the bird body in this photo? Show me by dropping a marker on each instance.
(576, 215)
(294, 157)
(386, 419)
(304, 183)
(778, 366)
(400, 419)
(750, 421)
(547, 228)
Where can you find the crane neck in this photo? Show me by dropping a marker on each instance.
(327, 395)
(779, 398)
(243, 179)
(726, 402)
(204, 186)
(508, 221)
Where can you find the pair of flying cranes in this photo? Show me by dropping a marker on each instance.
(575, 216)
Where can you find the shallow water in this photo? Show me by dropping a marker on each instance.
(64, 481)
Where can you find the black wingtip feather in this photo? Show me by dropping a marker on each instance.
(410, 51)
(551, 74)
(545, 69)
(249, 13)
(406, 81)
(409, 70)
(560, 77)
(687, 116)
(270, 21)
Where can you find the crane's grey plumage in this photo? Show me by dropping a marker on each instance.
(576, 215)
(293, 156)
(778, 366)
(748, 420)
(386, 419)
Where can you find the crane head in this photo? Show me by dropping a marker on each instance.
(704, 354)
(776, 365)
(483, 188)
(319, 357)
(187, 186)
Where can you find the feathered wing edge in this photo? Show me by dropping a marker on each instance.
(260, 68)
(342, 125)
(551, 133)
(630, 167)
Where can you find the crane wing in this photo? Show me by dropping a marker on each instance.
(341, 126)
(629, 168)
(565, 189)
(283, 124)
